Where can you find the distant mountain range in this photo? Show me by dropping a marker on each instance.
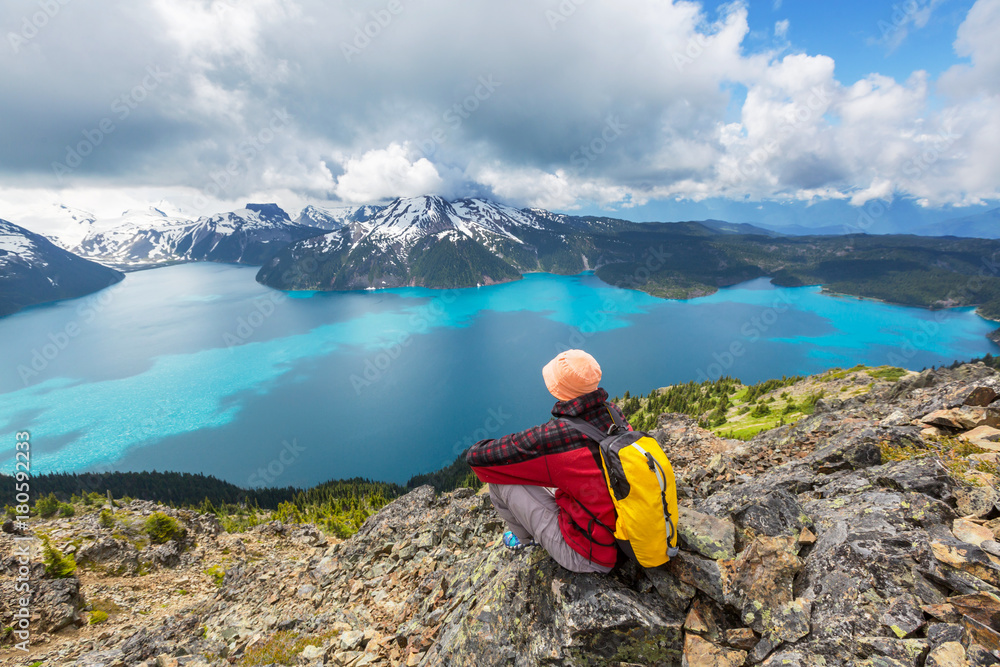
(140, 239)
(335, 218)
(425, 241)
(979, 226)
(433, 242)
(34, 270)
(982, 225)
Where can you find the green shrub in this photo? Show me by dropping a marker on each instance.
(809, 402)
(162, 528)
(288, 513)
(97, 617)
(47, 506)
(282, 648)
(66, 510)
(218, 574)
(760, 410)
(57, 565)
(888, 373)
(107, 519)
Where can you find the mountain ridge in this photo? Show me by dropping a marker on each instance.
(33, 270)
(433, 242)
(145, 239)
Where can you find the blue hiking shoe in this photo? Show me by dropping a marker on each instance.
(511, 542)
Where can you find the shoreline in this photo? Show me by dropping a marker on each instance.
(975, 309)
(994, 335)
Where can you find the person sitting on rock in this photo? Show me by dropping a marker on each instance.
(547, 482)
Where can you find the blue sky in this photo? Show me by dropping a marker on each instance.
(787, 112)
(861, 36)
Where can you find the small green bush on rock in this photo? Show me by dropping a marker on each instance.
(57, 565)
(47, 506)
(162, 528)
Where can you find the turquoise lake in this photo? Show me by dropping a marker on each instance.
(198, 368)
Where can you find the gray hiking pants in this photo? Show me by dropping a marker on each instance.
(531, 512)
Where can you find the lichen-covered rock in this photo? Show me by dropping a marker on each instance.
(308, 535)
(528, 610)
(701, 573)
(949, 654)
(57, 603)
(967, 558)
(701, 653)
(980, 617)
(910, 652)
(709, 536)
(960, 419)
(776, 513)
(113, 556)
(760, 583)
(981, 396)
(162, 555)
(972, 533)
(980, 656)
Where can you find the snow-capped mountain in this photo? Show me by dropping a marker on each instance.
(497, 217)
(250, 235)
(135, 239)
(147, 238)
(63, 225)
(431, 241)
(334, 218)
(34, 270)
(407, 221)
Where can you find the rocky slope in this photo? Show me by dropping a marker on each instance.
(33, 270)
(864, 534)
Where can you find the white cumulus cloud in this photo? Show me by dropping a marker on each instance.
(385, 173)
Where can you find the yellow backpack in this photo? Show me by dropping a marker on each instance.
(641, 483)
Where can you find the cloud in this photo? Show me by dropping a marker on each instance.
(386, 173)
(895, 27)
(977, 41)
(484, 97)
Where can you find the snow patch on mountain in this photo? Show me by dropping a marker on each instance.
(150, 237)
(63, 225)
(334, 218)
(15, 244)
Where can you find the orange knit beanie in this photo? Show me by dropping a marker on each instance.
(572, 373)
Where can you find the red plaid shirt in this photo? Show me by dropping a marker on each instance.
(556, 455)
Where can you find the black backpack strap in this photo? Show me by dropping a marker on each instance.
(585, 427)
(594, 433)
(616, 417)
